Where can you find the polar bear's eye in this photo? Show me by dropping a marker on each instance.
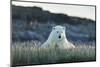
(57, 31)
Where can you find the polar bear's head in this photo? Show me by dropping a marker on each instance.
(58, 32)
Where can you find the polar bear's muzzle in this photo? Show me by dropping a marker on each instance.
(59, 36)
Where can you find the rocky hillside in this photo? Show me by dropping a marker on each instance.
(34, 23)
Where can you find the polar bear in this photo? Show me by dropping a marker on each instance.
(57, 38)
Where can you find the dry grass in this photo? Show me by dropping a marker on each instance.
(31, 55)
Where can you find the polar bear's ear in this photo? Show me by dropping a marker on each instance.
(64, 27)
(53, 28)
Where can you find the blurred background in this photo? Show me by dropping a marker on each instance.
(34, 22)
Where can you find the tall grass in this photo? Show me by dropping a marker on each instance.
(32, 55)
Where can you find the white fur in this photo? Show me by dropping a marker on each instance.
(54, 40)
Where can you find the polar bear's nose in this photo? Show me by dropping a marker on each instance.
(59, 36)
